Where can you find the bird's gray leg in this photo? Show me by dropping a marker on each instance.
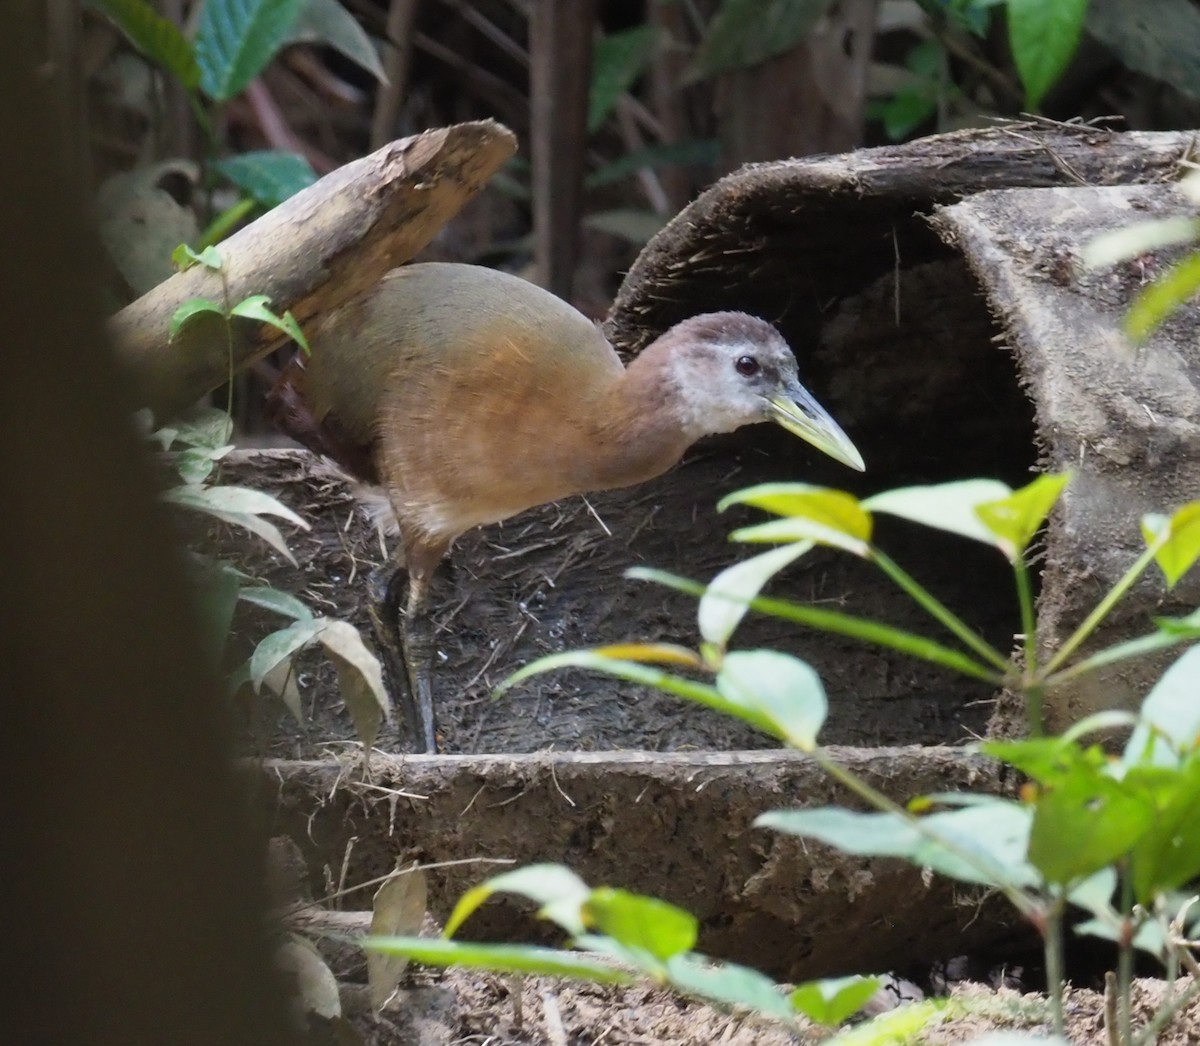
(405, 641)
(416, 633)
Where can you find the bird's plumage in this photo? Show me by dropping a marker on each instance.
(470, 395)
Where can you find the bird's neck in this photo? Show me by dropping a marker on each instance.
(641, 429)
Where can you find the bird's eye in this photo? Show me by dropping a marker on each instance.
(747, 366)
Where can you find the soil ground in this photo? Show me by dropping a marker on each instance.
(552, 580)
(460, 1008)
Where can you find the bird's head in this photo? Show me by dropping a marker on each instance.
(728, 369)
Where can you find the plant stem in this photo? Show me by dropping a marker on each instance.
(1125, 963)
(1052, 944)
(1139, 647)
(939, 611)
(1110, 1008)
(1031, 686)
(1102, 610)
(1028, 620)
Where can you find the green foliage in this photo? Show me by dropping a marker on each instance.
(954, 73)
(268, 176)
(1181, 279)
(1043, 37)
(156, 37)
(255, 307)
(328, 22)
(202, 441)
(694, 151)
(618, 59)
(237, 38)
(952, 49)
(1085, 824)
(234, 42)
(620, 936)
(748, 32)
(904, 111)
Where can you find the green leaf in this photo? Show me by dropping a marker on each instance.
(216, 597)
(1186, 627)
(745, 33)
(502, 958)
(283, 682)
(830, 1002)
(1043, 35)
(1015, 519)
(274, 600)
(156, 37)
(797, 528)
(646, 675)
(233, 499)
(224, 222)
(207, 428)
(831, 510)
(972, 15)
(328, 22)
(1148, 936)
(1170, 724)
(903, 112)
(213, 501)
(1167, 855)
(983, 843)
(559, 893)
(728, 595)
(189, 310)
(256, 308)
(398, 908)
(946, 506)
(1172, 632)
(643, 923)
(1155, 302)
(270, 176)
(237, 38)
(360, 678)
(861, 834)
(1177, 538)
(278, 647)
(901, 1025)
(195, 464)
(1085, 822)
(781, 688)
(618, 59)
(638, 227)
(1129, 241)
(1094, 894)
(184, 258)
(693, 152)
(1045, 759)
(729, 984)
(834, 621)
(653, 654)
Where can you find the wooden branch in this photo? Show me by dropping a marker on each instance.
(311, 254)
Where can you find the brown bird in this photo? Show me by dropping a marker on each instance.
(470, 395)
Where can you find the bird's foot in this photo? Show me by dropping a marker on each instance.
(406, 654)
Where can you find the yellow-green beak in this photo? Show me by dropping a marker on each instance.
(795, 409)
